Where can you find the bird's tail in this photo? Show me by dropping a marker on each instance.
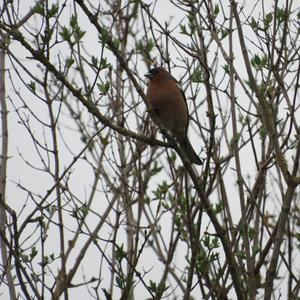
(190, 152)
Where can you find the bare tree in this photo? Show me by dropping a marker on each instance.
(96, 200)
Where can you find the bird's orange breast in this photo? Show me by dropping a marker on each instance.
(167, 100)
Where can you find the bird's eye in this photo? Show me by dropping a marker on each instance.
(154, 71)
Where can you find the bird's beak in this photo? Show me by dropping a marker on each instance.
(149, 75)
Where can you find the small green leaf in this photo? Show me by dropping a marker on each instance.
(241, 254)
(269, 18)
(104, 140)
(257, 60)
(104, 35)
(78, 34)
(69, 62)
(183, 29)
(281, 15)
(39, 9)
(218, 208)
(120, 282)
(94, 61)
(84, 210)
(206, 241)
(73, 21)
(32, 86)
(152, 286)
(53, 11)
(224, 33)
(45, 261)
(65, 34)
(33, 253)
(156, 169)
(34, 277)
(104, 64)
(264, 61)
(116, 43)
(254, 23)
(149, 45)
(255, 249)
(197, 76)
(226, 69)
(147, 200)
(120, 253)
(215, 243)
(216, 10)
(173, 156)
(262, 133)
(192, 22)
(104, 87)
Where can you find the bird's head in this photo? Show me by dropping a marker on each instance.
(158, 73)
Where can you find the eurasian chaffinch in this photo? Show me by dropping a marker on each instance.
(169, 106)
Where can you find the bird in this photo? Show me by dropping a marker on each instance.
(167, 101)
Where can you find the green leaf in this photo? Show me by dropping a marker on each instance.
(120, 253)
(251, 233)
(116, 43)
(206, 241)
(156, 169)
(34, 277)
(216, 10)
(254, 23)
(32, 86)
(241, 254)
(45, 261)
(149, 45)
(259, 62)
(39, 9)
(262, 133)
(73, 21)
(104, 35)
(281, 15)
(183, 29)
(104, 64)
(53, 11)
(224, 33)
(84, 210)
(269, 17)
(69, 62)
(79, 34)
(218, 208)
(147, 200)
(226, 69)
(264, 61)
(152, 287)
(255, 249)
(268, 20)
(33, 253)
(215, 243)
(120, 282)
(94, 61)
(104, 87)
(65, 34)
(157, 288)
(47, 37)
(197, 76)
